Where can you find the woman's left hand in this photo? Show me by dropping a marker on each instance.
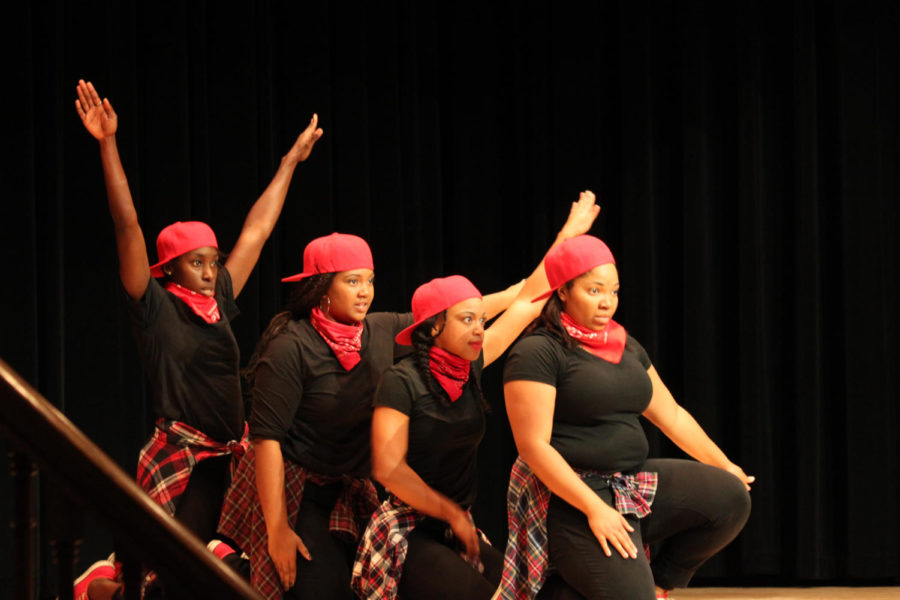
(305, 141)
(739, 473)
(581, 215)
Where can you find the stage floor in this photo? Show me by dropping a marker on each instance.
(827, 593)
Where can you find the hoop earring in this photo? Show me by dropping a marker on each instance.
(327, 306)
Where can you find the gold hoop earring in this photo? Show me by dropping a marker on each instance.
(327, 306)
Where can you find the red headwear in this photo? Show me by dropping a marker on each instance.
(334, 253)
(181, 237)
(431, 298)
(573, 257)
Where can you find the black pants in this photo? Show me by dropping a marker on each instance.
(199, 508)
(327, 575)
(434, 570)
(200, 505)
(697, 511)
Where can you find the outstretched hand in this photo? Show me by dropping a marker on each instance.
(306, 140)
(98, 116)
(581, 215)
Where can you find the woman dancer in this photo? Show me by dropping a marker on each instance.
(428, 422)
(181, 308)
(582, 486)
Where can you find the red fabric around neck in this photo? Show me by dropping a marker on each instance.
(451, 371)
(205, 307)
(344, 340)
(608, 344)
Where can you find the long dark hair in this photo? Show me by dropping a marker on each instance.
(422, 341)
(550, 318)
(306, 295)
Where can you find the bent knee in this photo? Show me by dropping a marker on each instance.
(735, 500)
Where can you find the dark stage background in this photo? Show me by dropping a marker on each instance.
(745, 155)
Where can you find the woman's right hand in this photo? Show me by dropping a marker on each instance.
(612, 529)
(98, 116)
(464, 530)
(283, 548)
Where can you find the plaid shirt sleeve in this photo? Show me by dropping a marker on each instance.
(242, 519)
(526, 562)
(167, 459)
(382, 551)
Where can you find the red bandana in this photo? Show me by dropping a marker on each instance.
(608, 344)
(344, 340)
(206, 307)
(451, 371)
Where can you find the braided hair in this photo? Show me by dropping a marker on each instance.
(422, 341)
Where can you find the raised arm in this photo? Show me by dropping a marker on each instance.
(680, 427)
(522, 310)
(390, 440)
(101, 121)
(496, 303)
(283, 543)
(530, 406)
(265, 211)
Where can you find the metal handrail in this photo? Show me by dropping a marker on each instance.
(40, 430)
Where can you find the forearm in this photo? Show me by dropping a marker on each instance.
(265, 211)
(687, 434)
(121, 205)
(270, 484)
(405, 483)
(559, 477)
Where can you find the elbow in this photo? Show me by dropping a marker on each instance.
(382, 472)
(530, 450)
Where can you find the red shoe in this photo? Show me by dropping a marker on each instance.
(102, 569)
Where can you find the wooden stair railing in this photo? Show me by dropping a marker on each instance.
(42, 437)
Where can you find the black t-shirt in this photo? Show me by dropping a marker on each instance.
(596, 417)
(443, 440)
(320, 412)
(192, 365)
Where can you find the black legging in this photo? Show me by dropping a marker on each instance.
(201, 503)
(697, 511)
(434, 570)
(328, 574)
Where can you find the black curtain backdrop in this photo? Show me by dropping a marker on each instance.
(744, 153)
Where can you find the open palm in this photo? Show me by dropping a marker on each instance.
(98, 116)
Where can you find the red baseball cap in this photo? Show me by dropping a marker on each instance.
(334, 253)
(181, 237)
(431, 298)
(573, 257)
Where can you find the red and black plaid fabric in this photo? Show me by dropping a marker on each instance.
(243, 521)
(526, 562)
(382, 551)
(166, 460)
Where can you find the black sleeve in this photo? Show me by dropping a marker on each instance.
(535, 358)
(393, 391)
(277, 389)
(144, 312)
(225, 294)
(401, 322)
(633, 346)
